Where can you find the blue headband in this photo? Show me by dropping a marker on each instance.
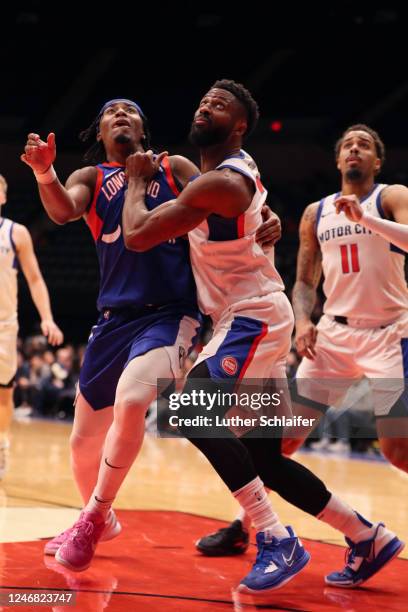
(115, 101)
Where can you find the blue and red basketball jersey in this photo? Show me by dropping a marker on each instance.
(161, 275)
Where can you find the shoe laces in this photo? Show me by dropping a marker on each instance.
(81, 532)
(265, 554)
(350, 555)
(363, 550)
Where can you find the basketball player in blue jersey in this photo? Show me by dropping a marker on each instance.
(148, 312)
(239, 287)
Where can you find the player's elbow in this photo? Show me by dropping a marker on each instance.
(34, 279)
(136, 241)
(60, 218)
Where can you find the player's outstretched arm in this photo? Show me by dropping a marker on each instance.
(394, 202)
(62, 204)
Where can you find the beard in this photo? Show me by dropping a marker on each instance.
(206, 136)
(354, 175)
(122, 139)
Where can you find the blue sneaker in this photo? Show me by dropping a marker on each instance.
(366, 558)
(277, 562)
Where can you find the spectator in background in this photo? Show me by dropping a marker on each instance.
(57, 391)
(29, 378)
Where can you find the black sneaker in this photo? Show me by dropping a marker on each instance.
(232, 540)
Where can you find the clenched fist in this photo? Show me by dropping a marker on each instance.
(143, 164)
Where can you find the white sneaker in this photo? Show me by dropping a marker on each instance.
(339, 447)
(4, 452)
(320, 445)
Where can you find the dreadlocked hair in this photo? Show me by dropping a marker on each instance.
(246, 99)
(96, 153)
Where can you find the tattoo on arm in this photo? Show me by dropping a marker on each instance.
(309, 266)
(303, 298)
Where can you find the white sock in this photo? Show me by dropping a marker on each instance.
(341, 516)
(96, 504)
(244, 516)
(255, 502)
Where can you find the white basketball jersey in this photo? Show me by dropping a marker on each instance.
(8, 273)
(364, 274)
(228, 265)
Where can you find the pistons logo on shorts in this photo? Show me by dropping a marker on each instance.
(229, 365)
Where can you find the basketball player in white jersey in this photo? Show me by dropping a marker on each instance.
(16, 248)
(364, 329)
(239, 287)
(357, 238)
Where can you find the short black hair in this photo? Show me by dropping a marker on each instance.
(244, 96)
(361, 127)
(96, 153)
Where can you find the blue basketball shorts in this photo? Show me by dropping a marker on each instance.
(121, 335)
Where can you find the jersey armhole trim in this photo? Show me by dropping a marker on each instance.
(13, 246)
(319, 212)
(170, 177)
(92, 218)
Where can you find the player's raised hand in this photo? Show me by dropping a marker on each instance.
(143, 164)
(350, 205)
(39, 155)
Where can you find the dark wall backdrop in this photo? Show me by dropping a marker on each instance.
(314, 70)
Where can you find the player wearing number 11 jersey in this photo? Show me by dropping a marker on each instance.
(364, 329)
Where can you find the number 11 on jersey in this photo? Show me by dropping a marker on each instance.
(349, 258)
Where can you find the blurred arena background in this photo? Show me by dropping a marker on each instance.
(313, 71)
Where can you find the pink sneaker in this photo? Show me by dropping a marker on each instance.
(112, 529)
(78, 549)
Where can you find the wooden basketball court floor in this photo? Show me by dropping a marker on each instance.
(170, 498)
